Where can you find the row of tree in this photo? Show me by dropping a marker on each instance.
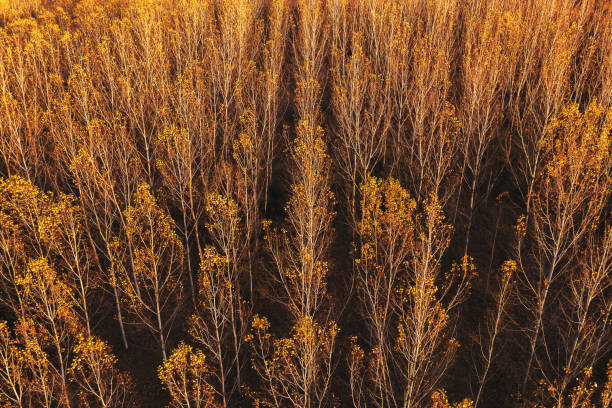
(305, 203)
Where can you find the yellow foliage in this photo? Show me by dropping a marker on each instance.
(185, 375)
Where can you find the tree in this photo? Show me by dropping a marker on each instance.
(94, 370)
(185, 375)
(406, 302)
(51, 318)
(106, 172)
(572, 190)
(361, 110)
(13, 369)
(221, 316)
(152, 265)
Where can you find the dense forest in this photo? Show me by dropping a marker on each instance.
(305, 203)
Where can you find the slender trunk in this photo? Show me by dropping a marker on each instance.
(221, 370)
(536, 333)
(87, 324)
(187, 249)
(162, 341)
(113, 284)
(483, 380)
(120, 316)
(62, 370)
